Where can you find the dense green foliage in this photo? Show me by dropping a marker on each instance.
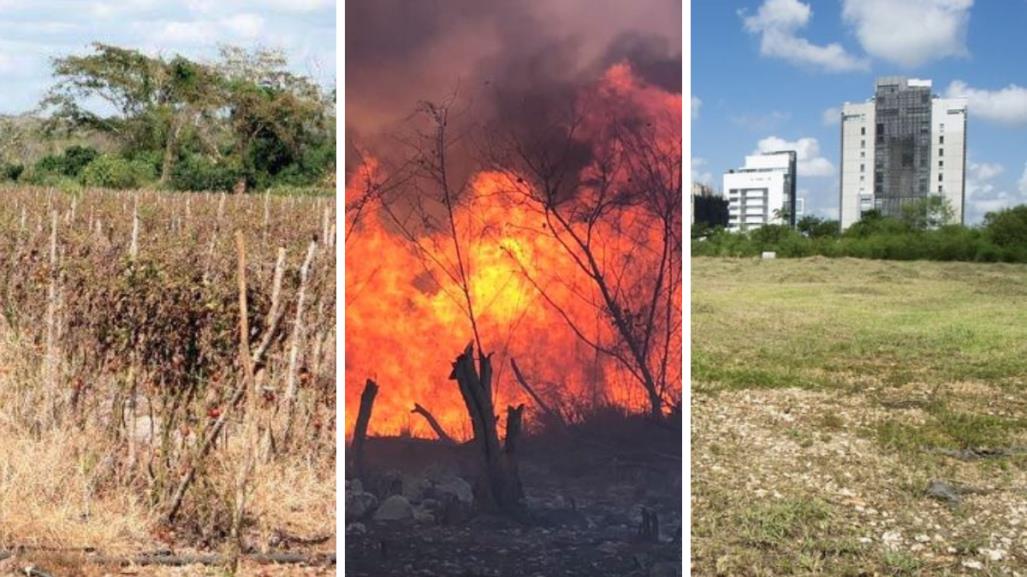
(1001, 238)
(110, 171)
(178, 124)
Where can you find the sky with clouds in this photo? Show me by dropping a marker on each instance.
(32, 32)
(772, 74)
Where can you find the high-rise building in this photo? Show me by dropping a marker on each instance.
(901, 146)
(762, 192)
(709, 209)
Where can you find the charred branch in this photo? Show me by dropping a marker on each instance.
(550, 414)
(649, 531)
(513, 428)
(434, 424)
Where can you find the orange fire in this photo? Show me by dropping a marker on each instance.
(406, 319)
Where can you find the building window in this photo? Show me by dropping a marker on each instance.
(941, 139)
(862, 178)
(940, 176)
(862, 154)
(862, 143)
(941, 127)
(862, 168)
(862, 130)
(941, 163)
(939, 188)
(941, 152)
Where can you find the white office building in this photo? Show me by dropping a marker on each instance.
(762, 192)
(902, 145)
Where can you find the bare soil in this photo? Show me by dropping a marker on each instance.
(585, 491)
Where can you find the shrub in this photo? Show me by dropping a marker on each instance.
(110, 171)
(70, 163)
(11, 171)
(1002, 239)
(76, 158)
(1007, 228)
(814, 227)
(198, 173)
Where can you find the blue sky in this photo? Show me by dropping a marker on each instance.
(34, 31)
(768, 73)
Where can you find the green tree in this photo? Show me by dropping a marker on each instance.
(1007, 228)
(245, 115)
(930, 212)
(282, 123)
(148, 101)
(814, 227)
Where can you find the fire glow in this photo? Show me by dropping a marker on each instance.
(406, 320)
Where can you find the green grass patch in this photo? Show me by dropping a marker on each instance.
(776, 523)
(949, 429)
(825, 323)
(901, 564)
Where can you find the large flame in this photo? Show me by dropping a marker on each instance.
(406, 319)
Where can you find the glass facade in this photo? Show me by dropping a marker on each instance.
(902, 145)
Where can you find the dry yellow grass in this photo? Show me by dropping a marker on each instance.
(829, 394)
(77, 469)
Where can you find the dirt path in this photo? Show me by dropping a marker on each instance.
(801, 482)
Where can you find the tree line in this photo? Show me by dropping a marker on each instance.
(920, 232)
(118, 118)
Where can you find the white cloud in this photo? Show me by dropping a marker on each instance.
(248, 26)
(237, 28)
(295, 6)
(698, 172)
(33, 32)
(16, 61)
(1007, 105)
(983, 195)
(761, 123)
(910, 32)
(807, 152)
(984, 170)
(184, 32)
(299, 5)
(777, 21)
(696, 104)
(831, 116)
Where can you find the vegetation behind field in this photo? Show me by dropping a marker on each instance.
(919, 234)
(120, 119)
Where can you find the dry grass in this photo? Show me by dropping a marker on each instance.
(829, 393)
(77, 469)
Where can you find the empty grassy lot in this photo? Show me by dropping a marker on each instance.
(859, 418)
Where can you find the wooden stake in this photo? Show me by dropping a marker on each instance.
(297, 340)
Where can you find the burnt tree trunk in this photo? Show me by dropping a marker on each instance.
(360, 430)
(501, 489)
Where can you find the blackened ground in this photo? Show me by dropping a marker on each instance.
(585, 491)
